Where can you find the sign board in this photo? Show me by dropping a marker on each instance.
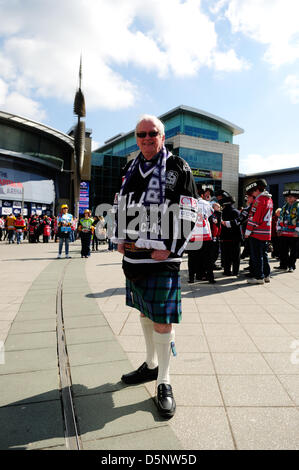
(213, 174)
(84, 196)
(36, 187)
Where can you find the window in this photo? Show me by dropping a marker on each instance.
(202, 159)
(201, 132)
(172, 132)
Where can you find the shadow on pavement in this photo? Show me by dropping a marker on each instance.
(27, 423)
(107, 293)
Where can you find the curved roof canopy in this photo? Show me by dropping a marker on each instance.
(42, 128)
(235, 130)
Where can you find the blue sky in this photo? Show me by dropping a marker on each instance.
(238, 59)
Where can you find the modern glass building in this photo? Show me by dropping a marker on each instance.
(35, 166)
(204, 140)
(105, 178)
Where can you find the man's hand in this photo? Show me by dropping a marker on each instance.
(160, 255)
(121, 248)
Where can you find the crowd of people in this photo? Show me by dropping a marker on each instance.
(16, 228)
(221, 230)
(92, 230)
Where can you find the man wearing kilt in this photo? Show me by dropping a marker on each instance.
(160, 188)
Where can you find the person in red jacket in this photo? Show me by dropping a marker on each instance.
(46, 225)
(19, 228)
(258, 230)
(215, 221)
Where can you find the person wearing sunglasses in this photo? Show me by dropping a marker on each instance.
(161, 188)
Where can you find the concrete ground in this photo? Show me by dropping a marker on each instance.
(235, 378)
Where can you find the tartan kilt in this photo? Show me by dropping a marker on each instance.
(158, 296)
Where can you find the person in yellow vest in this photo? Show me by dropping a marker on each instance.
(65, 221)
(10, 226)
(86, 229)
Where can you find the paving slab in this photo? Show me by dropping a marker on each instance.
(32, 326)
(120, 412)
(253, 390)
(34, 311)
(90, 353)
(89, 335)
(29, 360)
(281, 363)
(228, 344)
(98, 378)
(291, 385)
(84, 321)
(150, 439)
(240, 364)
(31, 426)
(202, 428)
(265, 428)
(29, 387)
(21, 342)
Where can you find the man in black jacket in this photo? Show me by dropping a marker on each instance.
(160, 187)
(230, 236)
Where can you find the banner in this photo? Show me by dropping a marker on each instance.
(36, 187)
(213, 174)
(84, 196)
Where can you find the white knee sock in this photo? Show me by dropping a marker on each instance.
(148, 329)
(163, 346)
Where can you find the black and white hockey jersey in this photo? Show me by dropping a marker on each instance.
(167, 226)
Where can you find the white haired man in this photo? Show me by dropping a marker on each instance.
(153, 183)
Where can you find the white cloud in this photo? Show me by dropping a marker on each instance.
(291, 87)
(42, 42)
(255, 163)
(95, 145)
(229, 62)
(16, 103)
(3, 91)
(273, 23)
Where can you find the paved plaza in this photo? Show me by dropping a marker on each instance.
(235, 378)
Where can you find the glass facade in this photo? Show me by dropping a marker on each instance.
(202, 159)
(105, 178)
(206, 166)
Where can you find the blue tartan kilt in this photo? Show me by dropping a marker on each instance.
(158, 296)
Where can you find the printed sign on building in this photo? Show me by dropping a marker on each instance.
(84, 196)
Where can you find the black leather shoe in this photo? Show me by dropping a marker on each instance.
(165, 401)
(191, 280)
(141, 375)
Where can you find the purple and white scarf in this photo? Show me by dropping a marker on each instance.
(154, 194)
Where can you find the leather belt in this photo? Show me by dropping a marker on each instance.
(131, 246)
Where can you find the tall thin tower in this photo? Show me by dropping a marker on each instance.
(79, 140)
(80, 111)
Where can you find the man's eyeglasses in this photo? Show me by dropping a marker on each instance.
(141, 135)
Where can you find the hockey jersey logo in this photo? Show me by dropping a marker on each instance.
(171, 179)
(187, 202)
